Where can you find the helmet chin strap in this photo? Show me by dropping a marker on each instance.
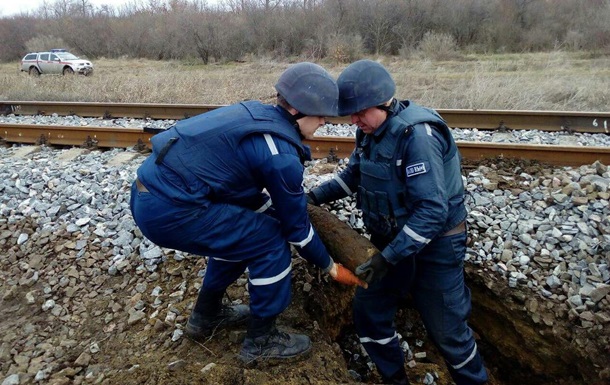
(296, 117)
(299, 115)
(293, 120)
(388, 107)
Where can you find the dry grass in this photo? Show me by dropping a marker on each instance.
(541, 81)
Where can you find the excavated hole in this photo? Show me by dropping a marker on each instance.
(503, 370)
(517, 346)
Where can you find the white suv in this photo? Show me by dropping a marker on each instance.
(56, 61)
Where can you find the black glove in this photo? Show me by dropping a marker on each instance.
(311, 199)
(374, 269)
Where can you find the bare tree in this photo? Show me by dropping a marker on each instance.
(176, 29)
(465, 20)
(14, 32)
(379, 21)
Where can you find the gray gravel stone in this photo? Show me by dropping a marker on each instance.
(552, 234)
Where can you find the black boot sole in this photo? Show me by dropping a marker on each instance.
(251, 360)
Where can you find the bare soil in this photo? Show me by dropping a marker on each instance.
(95, 339)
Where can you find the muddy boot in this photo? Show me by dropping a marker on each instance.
(264, 342)
(209, 314)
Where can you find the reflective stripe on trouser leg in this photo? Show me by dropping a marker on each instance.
(444, 303)
(388, 358)
(269, 284)
(471, 371)
(374, 321)
(225, 232)
(219, 273)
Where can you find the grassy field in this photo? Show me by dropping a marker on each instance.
(538, 81)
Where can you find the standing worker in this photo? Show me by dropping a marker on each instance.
(201, 192)
(407, 174)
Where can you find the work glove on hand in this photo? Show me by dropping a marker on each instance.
(342, 275)
(374, 269)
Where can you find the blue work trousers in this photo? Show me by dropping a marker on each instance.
(435, 280)
(233, 237)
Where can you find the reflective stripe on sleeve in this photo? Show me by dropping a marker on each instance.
(225, 260)
(383, 341)
(264, 207)
(271, 280)
(470, 357)
(343, 185)
(428, 129)
(271, 144)
(305, 241)
(414, 235)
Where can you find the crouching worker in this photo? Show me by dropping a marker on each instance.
(201, 192)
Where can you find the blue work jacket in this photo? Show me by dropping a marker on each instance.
(231, 155)
(408, 178)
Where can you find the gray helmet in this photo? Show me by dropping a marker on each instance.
(310, 89)
(364, 84)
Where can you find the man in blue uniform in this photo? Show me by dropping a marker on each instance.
(201, 191)
(407, 175)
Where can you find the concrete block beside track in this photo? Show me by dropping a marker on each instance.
(25, 151)
(124, 157)
(71, 154)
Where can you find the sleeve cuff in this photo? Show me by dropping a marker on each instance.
(330, 265)
(390, 256)
(313, 196)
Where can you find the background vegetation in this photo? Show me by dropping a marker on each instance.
(485, 54)
(338, 30)
(557, 80)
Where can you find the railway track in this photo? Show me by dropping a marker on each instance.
(581, 122)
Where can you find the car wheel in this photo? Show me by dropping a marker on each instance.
(34, 71)
(68, 71)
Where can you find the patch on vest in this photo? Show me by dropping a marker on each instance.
(416, 169)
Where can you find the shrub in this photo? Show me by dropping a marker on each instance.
(314, 50)
(438, 46)
(345, 48)
(45, 43)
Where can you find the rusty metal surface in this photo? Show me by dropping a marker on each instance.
(73, 136)
(556, 155)
(551, 154)
(107, 110)
(571, 121)
(321, 147)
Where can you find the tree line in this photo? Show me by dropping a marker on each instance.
(342, 30)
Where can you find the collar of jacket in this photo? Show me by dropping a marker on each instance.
(290, 118)
(393, 109)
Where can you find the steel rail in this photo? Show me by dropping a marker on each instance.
(87, 136)
(321, 147)
(570, 121)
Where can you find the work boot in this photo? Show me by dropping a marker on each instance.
(265, 342)
(201, 327)
(209, 314)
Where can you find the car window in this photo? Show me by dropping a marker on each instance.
(54, 57)
(67, 56)
(31, 56)
(44, 56)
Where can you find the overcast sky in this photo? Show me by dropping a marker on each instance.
(12, 7)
